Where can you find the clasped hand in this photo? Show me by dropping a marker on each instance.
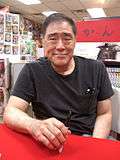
(51, 132)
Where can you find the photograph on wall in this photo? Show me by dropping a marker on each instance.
(8, 17)
(7, 49)
(8, 37)
(15, 39)
(1, 18)
(1, 38)
(15, 29)
(15, 19)
(1, 28)
(1, 49)
(15, 50)
(8, 27)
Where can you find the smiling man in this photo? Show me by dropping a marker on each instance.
(60, 86)
(59, 42)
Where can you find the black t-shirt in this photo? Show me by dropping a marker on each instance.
(54, 95)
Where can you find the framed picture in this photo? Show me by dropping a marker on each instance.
(7, 37)
(15, 39)
(1, 28)
(15, 50)
(15, 29)
(8, 17)
(1, 38)
(8, 27)
(15, 19)
(7, 49)
(1, 49)
(1, 18)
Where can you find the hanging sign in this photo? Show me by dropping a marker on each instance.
(99, 30)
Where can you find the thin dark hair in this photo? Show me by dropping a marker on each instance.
(57, 17)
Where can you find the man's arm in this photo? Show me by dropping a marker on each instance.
(104, 118)
(15, 115)
(51, 132)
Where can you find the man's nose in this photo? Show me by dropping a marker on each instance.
(60, 44)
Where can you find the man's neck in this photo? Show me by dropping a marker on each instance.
(65, 70)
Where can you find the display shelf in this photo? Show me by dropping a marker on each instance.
(113, 69)
(111, 63)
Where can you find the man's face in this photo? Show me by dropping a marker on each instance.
(59, 43)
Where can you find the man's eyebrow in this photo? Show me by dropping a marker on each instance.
(52, 34)
(62, 34)
(67, 34)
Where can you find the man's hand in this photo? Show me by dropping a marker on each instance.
(51, 132)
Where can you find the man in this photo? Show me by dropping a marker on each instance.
(61, 87)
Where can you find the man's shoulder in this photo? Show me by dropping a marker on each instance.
(40, 65)
(43, 61)
(88, 61)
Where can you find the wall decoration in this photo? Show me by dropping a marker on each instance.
(15, 50)
(7, 49)
(1, 18)
(9, 36)
(1, 38)
(1, 49)
(99, 30)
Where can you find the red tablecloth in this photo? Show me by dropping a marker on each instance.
(17, 146)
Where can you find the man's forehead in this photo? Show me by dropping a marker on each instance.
(59, 24)
(59, 27)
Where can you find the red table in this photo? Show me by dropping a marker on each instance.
(17, 146)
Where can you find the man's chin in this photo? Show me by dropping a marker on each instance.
(59, 63)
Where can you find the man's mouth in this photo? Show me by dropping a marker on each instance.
(60, 54)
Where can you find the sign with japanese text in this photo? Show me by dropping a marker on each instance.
(99, 30)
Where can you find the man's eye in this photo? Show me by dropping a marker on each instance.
(51, 38)
(67, 38)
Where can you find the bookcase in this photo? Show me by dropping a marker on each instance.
(113, 69)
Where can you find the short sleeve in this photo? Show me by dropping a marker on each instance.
(105, 90)
(24, 85)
